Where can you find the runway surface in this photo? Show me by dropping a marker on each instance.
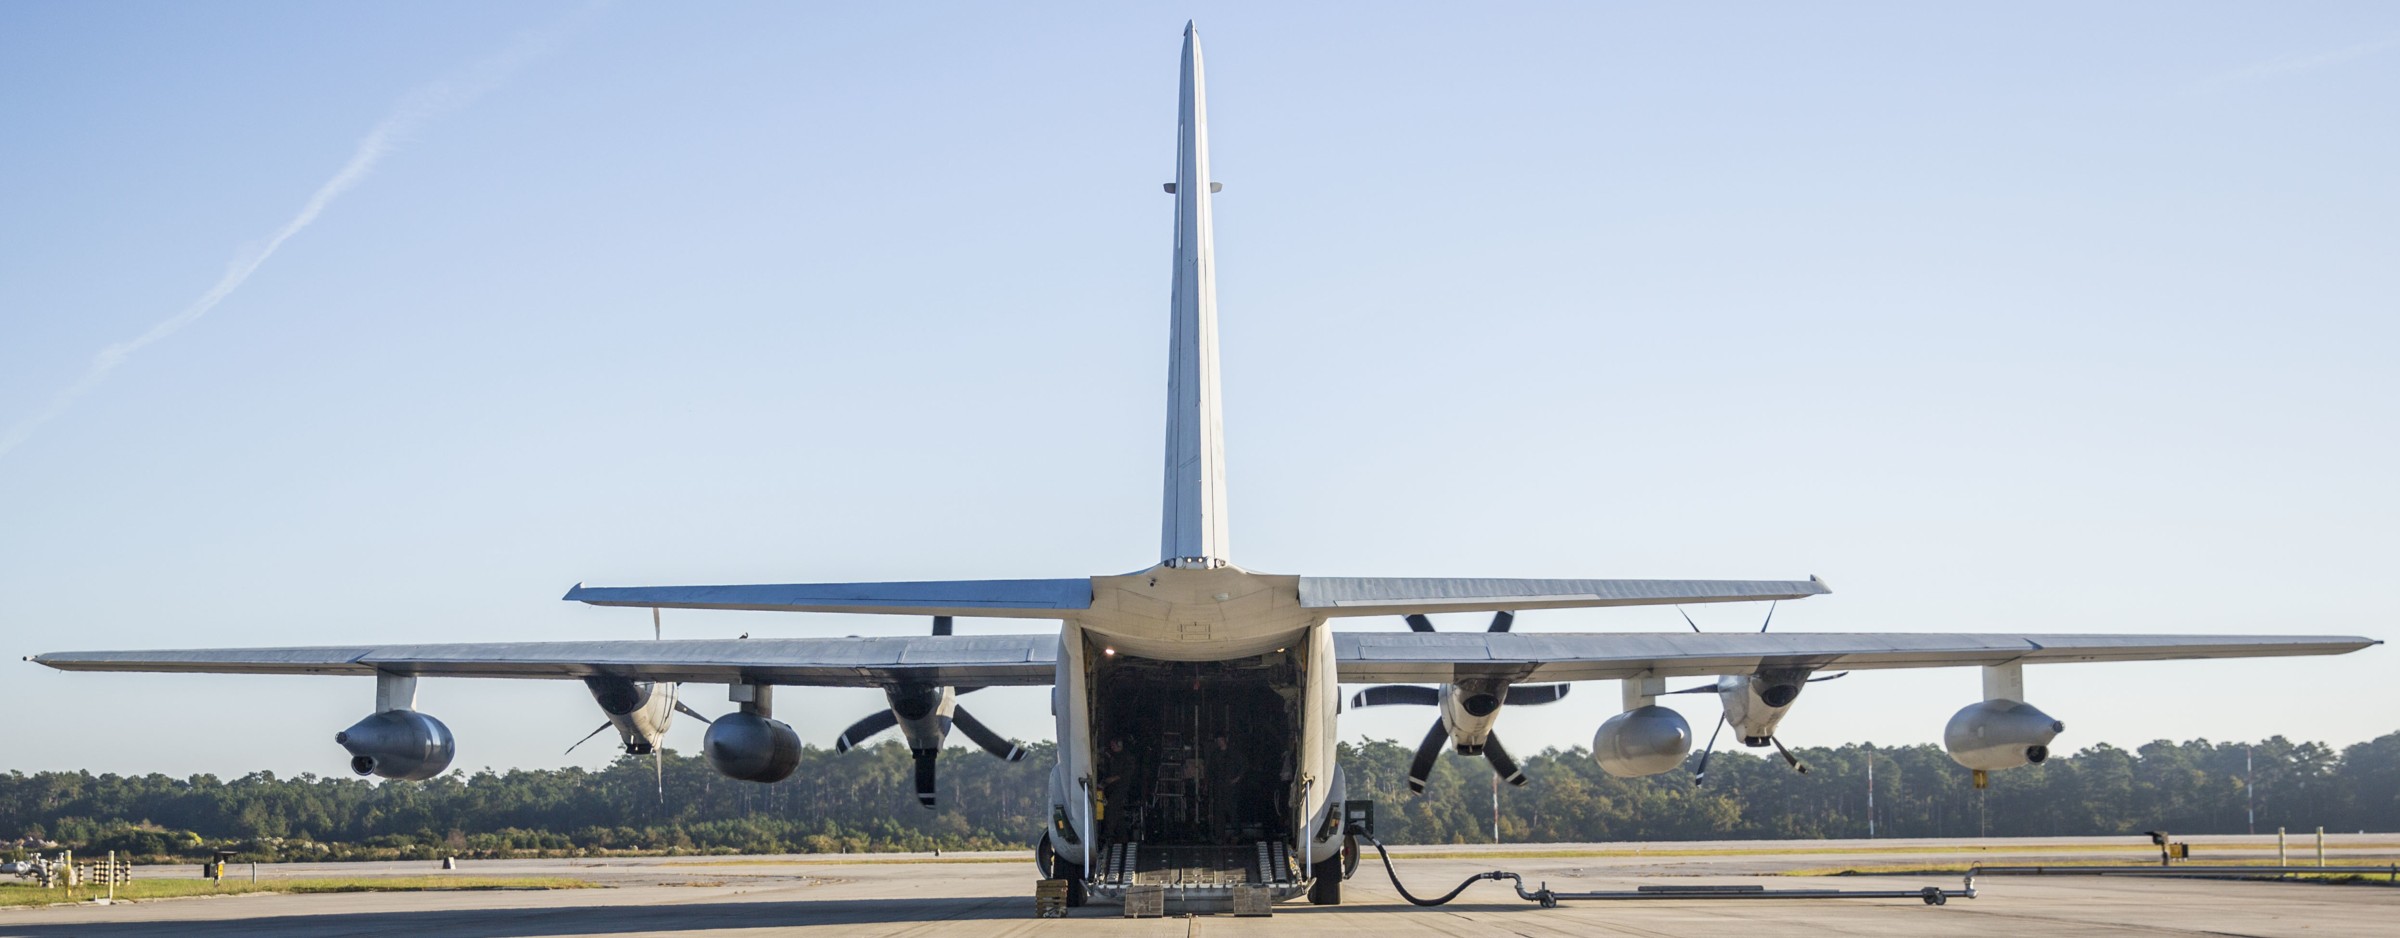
(990, 896)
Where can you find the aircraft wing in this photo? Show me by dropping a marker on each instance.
(1391, 596)
(1439, 657)
(969, 660)
(1372, 657)
(1007, 599)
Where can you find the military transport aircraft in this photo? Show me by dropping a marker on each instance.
(1196, 700)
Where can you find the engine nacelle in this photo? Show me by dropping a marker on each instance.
(924, 713)
(639, 710)
(1642, 741)
(752, 748)
(1469, 710)
(399, 744)
(1755, 703)
(2000, 734)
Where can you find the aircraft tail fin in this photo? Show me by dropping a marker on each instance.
(1194, 532)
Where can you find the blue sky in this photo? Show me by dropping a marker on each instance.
(2036, 318)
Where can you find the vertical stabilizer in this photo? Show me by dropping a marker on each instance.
(1194, 534)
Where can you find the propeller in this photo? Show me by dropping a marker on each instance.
(689, 712)
(870, 725)
(1421, 767)
(1700, 775)
(604, 724)
(884, 719)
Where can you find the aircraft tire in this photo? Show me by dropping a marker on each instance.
(1326, 887)
(1053, 867)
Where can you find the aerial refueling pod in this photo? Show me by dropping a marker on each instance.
(2000, 734)
(398, 744)
(752, 748)
(747, 744)
(1646, 740)
(2003, 731)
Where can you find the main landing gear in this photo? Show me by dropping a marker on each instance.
(1326, 887)
(1045, 858)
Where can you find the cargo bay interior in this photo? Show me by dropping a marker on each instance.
(1195, 753)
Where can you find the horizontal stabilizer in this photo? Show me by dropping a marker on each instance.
(1387, 596)
(1007, 599)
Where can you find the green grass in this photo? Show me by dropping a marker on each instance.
(140, 889)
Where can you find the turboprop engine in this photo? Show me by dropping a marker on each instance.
(1646, 740)
(398, 744)
(925, 713)
(2000, 734)
(638, 710)
(1755, 703)
(748, 744)
(1470, 706)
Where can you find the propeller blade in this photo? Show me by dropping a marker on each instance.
(1826, 677)
(1502, 620)
(657, 631)
(1687, 618)
(658, 761)
(686, 710)
(1702, 689)
(965, 690)
(925, 759)
(1762, 627)
(983, 736)
(1421, 767)
(1788, 758)
(1498, 756)
(1418, 623)
(1527, 695)
(603, 725)
(941, 625)
(1386, 694)
(858, 732)
(1700, 775)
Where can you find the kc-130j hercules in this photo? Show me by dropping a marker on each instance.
(1196, 700)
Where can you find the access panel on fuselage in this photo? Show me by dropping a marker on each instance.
(1195, 753)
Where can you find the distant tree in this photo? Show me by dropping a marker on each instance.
(864, 800)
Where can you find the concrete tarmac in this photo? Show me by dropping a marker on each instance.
(990, 896)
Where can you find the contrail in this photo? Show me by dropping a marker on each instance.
(416, 108)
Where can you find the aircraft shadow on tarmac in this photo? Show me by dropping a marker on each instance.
(619, 919)
(572, 920)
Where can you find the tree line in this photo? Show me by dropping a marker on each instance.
(863, 801)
